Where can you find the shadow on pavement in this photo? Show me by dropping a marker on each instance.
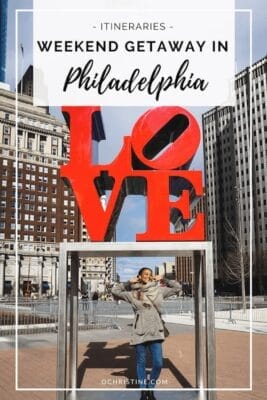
(121, 359)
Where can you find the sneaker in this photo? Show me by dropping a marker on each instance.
(151, 395)
(144, 395)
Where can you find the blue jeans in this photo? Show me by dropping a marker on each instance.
(155, 349)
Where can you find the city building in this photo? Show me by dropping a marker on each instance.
(167, 268)
(46, 209)
(33, 193)
(232, 157)
(185, 260)
(32, 190)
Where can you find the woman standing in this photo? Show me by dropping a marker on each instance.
(146, 297)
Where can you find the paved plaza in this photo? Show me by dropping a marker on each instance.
(106, 361)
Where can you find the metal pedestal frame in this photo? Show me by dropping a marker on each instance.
(203, 265)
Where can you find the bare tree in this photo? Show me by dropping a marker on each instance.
(236, 262)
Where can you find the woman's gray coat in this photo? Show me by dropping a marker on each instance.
(148, 324)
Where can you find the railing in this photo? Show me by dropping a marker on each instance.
(230, 309)
(233, 311)
(33, 316)
(42, 315)
(36, 316)
(97, 314)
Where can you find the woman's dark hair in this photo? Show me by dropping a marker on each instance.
(143, 269)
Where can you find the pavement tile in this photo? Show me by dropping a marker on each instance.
(101, 363)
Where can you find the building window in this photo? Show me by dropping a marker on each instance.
(30, 141)
(6, 139)
(54, 151)
(6, 130)
(42, 143)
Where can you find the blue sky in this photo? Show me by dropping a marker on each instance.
(118, 122)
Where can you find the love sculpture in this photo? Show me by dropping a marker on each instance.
(153, 161)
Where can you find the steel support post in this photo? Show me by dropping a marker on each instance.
(62, 325)
(136, 250)
(2, 275)
(198, 320)
(210, 324)
(73, 344)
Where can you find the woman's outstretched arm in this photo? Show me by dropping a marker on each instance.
(120, 290)
(172, 287)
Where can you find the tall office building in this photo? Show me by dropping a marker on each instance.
(167, 268)
(46, 210)
(185, 260)
(227, 133)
